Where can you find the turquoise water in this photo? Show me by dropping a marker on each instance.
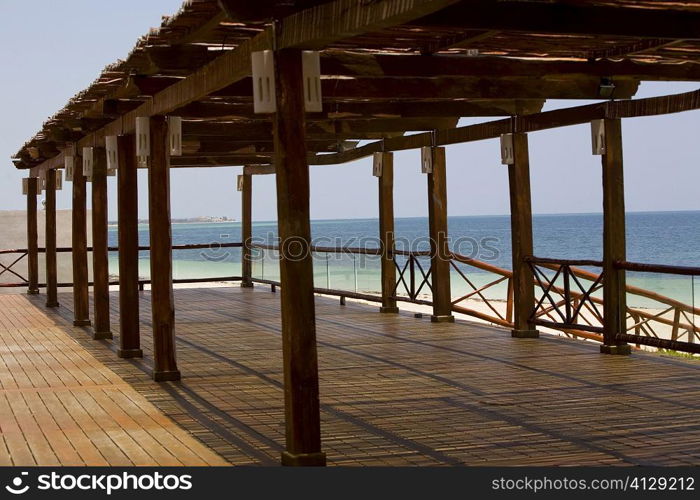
(662, 238)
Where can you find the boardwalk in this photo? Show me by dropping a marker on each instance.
(395, 390)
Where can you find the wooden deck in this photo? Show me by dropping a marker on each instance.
(395, 390)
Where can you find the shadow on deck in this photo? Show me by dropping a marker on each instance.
(396, 390)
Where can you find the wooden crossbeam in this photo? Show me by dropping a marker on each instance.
(339, 110)
(556, 17)
(555, 86)
(366, 65)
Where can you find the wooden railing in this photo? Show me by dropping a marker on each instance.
(567, 300)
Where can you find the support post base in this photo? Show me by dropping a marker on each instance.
(168, 376)
(447, 318)
(304, 459)
(130, 353)
(389, 310)
(619, 349)
(82, 322)
(246, 284)
(525, 334)
(52, 304)
(102, 336)
(32, 292)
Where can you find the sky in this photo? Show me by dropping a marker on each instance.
(51, 50)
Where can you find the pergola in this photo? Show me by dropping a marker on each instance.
(387, 67)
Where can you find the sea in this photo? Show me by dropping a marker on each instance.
(652, 237)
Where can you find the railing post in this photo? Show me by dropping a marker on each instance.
(439, 250)
(386, 233)
(100, 253)
(81, 299)
(128, 234)
(302, 410)
(521, 238)
(50, 241)
(32, 238)
(614, 247)
(246, 230)
(162, 301)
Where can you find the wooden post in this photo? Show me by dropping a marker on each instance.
(439, 250)
(386, 233)
(50, 241)
(246, 230)
(81, 299)
(32, 238)
(100, 254)
(521, 238)
(302, 413)
(162, 302)
(128, 234)
(614, 247)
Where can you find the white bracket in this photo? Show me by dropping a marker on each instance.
(264, 97)
(311, 69)
(598, 137)
(507, 155)
(175, 135)
(426, 160)
(41, 182)
(378, 164)
(112, 154)
(239, 183)
(88, 162)
(25, 186)
(69, 161)
(143, 140)
(59, 180)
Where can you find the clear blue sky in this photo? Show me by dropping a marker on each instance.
(50, 50)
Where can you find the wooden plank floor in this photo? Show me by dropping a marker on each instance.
(61, 406)
(395, 390)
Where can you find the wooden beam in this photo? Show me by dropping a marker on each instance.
(81, 304)
(162, 301)
(259, 170)
(386, 233)
(614, 247)
(521, 238)
(340, 110)
(439, 249)
(50, 241)
(378, 65)
(127, 193)
(559, 17)
(459, 87)
(100, 254)
(302, 413)
(246, 230)
(32, 237)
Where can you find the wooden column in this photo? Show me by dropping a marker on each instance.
(100, 255)
(162, 302)
(614, 247)
(521, 238)
(386, 233)
(32, 238)
(50, 241)
(128, 234)
(439, 250)
(81, 300)
(246, 229)
(302, 415)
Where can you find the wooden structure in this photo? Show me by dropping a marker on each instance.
(388, 67)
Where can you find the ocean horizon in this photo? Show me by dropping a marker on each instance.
(661, 237)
